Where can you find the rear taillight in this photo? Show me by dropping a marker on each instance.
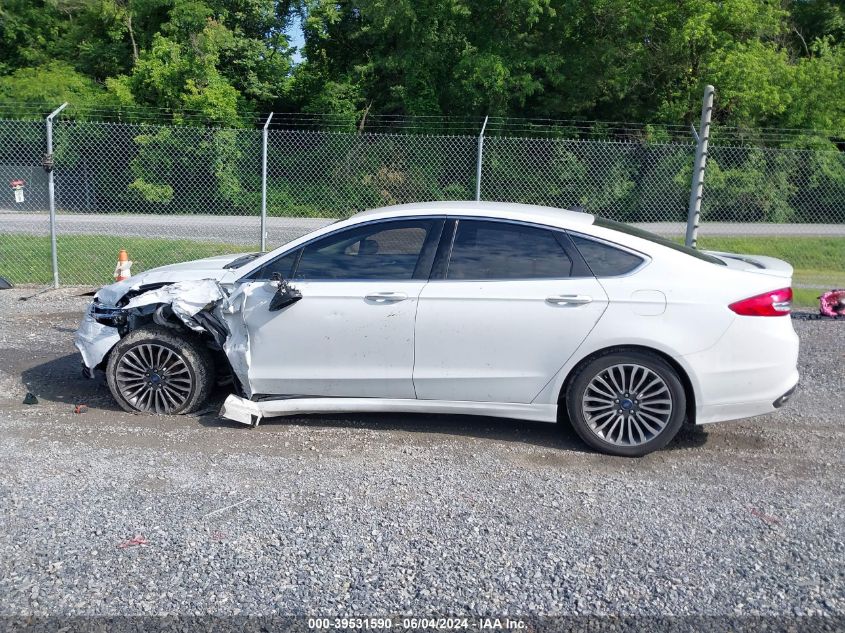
(774, 303)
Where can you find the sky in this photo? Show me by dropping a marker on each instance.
(296, 38)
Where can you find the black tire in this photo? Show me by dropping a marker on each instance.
(183, 383)
(632, 430)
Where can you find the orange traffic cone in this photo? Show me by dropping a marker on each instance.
(123, 269)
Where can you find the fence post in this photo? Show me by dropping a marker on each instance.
(47, 163)
(697, 190)
(478, 167)
(264, 184)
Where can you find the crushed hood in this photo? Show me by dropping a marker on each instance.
(196, 270)
(186, 299)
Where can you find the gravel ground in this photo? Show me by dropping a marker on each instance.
(404, 514)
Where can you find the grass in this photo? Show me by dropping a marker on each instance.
(89, 259)
(814, 258)
(807, 297)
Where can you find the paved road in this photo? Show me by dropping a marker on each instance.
(245, 230)
(738, 229)
(207, 228)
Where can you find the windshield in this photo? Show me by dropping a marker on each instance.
(651, 237)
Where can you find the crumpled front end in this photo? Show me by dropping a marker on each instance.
(122, 307)
(204, 307)
(94, 339)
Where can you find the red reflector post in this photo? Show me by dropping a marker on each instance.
(774, 303)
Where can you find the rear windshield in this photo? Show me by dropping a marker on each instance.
(651, 237)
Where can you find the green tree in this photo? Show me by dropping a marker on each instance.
(601, 59)
(224, 60)
(28, 29)
(49, 85)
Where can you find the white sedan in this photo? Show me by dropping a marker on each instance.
(487, 308)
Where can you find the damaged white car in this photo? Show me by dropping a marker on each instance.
(478, 308)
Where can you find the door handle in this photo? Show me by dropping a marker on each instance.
(570, 300)
(386, 297)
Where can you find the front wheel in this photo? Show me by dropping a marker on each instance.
(626, 403)
(157, 370)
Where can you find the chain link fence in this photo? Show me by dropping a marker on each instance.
(174, 193)
(625, 181)
(24, 240)
(334, 175)
(775, 185)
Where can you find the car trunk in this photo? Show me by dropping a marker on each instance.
(756, 264)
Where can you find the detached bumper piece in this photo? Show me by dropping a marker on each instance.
(241, 410)
(777, 404)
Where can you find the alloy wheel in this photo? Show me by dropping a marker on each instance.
(627, 404)
(154, 378)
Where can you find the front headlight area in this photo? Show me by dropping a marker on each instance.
(108, 315)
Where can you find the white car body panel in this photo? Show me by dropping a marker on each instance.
(754, 363)
(499, 341)
(350, 338)
(697, 331)
(497, 347)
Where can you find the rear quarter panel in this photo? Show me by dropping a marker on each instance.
(675, 304)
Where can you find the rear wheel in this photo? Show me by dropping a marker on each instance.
(156, 370)
(626, 403)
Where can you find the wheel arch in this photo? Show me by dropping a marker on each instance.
(683, 376)
(194, 354)
(220, 361)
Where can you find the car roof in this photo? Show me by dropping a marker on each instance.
(504, 210)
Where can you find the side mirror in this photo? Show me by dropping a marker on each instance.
(285, 294)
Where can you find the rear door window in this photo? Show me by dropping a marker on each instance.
(488, 250)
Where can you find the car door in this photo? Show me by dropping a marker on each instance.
(506, 307)
(352, 333)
